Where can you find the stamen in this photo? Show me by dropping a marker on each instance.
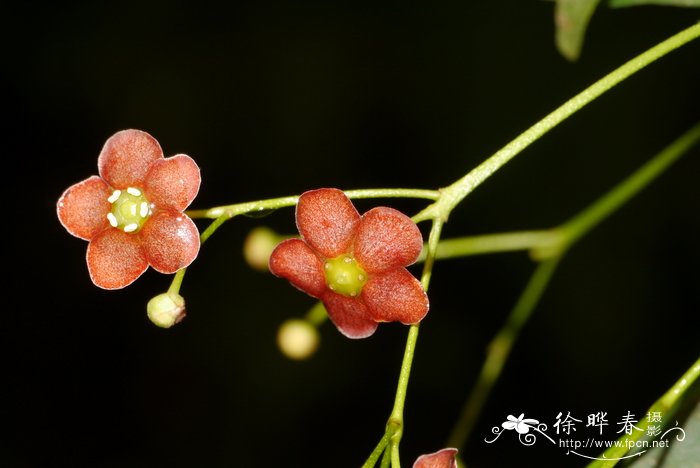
(130, 209)
(115, 196)
(112, 219)
(144, 209)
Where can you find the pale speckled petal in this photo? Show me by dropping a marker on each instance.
(115, 259)
(326, 219)
(296, 262)
(127, 157)
(445, 458)
(395, 296)
(349, 315)
(83, 208)
(170, 241)
(386, 239)
(172, 183)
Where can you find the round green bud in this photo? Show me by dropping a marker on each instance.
(167, 309)
(297, 339)
(258, 247)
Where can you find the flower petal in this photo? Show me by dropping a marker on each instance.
(509, 425)
(386, 239)
(115, 259)
(445, 458)
(326, 219)
(395, 296)
(170, 240)
(349, 314)
(83, 208)
(126, 158)
(172, 183)
(522, 428)
(296, 262)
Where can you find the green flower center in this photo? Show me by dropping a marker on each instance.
(130, 209)
(344, 275)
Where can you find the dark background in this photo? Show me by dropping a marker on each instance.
(273, 99)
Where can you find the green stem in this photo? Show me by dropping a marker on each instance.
(177, 279)
(499, 350)
(455, 193)
(317, 314)
(237, 209)
(549, 246)
(493, 243)
(662, 405)
(395, 424)
(378, 450)
(553, 242)
(580, 224)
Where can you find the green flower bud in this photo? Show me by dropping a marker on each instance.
(258, 247)
(167, 309)
(297, 339)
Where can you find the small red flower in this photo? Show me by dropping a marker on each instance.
(132, 213)
(354, 264)
(445, 458)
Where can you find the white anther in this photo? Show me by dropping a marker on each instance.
(131, 227)
(327, 266)
(134, 191)
(115, 196)
(361, 277)
(347, 260)
(112, 219)
(144, 209)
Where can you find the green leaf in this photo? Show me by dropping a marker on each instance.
(571, 18)
(677, 3)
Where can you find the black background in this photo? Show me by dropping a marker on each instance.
(273, 99)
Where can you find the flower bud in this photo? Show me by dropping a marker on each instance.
(258, 246)
(297, 339)
(167, 309)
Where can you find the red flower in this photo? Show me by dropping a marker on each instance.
(132, 213)
(445, 458)
(354, 264)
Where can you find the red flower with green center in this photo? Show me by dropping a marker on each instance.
(354, 264)
(132, 213)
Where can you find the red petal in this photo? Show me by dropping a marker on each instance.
(326, 219)
(296, 262)
(172, 183)
(395, 296)
(115, 259)
(83, 207)
(445, 458)
(126, 158)
(170, 240)
(386, 239)
(349, 314)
